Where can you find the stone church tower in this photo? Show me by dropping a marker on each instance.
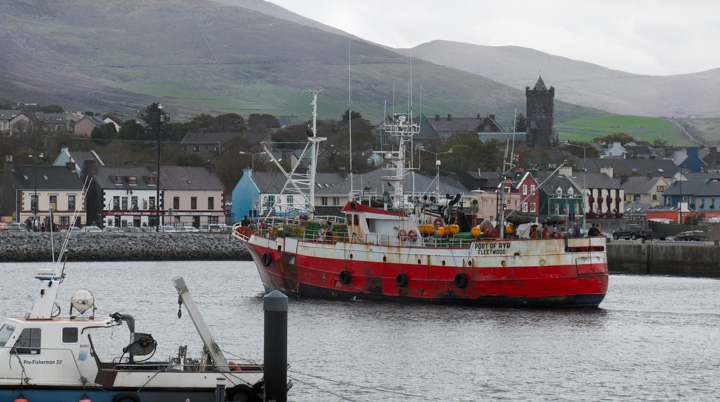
(540, 116)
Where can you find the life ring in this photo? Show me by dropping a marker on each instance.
(345, 277)
(412, 236)
(437, 223)
(401, 280)
(402, 235)
(125, 397)
(267, 259)
(461, 280)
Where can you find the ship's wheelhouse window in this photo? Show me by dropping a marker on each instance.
(356, 219)
(69, 335)
(5, 333)
(28, 342)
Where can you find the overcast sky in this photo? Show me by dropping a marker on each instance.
(654, 37)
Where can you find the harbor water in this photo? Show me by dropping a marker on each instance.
(653, 338)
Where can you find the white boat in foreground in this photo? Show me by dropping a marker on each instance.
(48, 357)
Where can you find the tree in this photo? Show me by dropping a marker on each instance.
(50, 109)
(622, 138)
(226, 123)
(103, 133)
(131, 130)
(520, 123)
(355, 115)
(155, 117)
(262, 122)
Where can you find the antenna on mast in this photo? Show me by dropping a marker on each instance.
(350, 122)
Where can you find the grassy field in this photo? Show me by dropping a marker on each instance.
(706, 130)
(641, 128)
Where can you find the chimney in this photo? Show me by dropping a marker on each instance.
(449, 116)
(492, 116)
(437, 117)
(478, 116)
(70, 165)
(89, 167)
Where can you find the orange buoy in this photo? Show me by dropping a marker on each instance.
(475, 231)
(440, 231)
(233, 366)
(454, 228)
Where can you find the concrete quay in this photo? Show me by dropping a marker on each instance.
(657, 257)
(36, 247)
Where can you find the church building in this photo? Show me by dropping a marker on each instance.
(540, 116)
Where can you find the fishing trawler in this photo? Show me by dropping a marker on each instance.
(407, 248)
(45, 356)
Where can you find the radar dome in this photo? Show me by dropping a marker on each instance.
(82, 300)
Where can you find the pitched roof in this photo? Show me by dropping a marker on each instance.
(189, 178)
(639, 184)
(7, 114)
(46, 178)
(105, 176)
(596, 180)
(540, 84)
(654, 167)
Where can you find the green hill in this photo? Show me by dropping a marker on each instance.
(199, 56)
(641, 128)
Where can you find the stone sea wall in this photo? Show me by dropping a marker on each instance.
(28, 247)
(687, 258)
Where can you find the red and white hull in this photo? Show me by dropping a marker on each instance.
(554, 272)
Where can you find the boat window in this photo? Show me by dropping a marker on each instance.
(5, 333)
(28, 342)
(70, 335)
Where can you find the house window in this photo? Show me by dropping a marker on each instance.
(116, 202)
(524, 189)
(211, 203)
(118, 180)
(196, 148)
(532, 207)
(152, 202)
(124, 203)
(28, 342)
(654, 197)
(53, 202)
(133, 203)
(271, 201)
(336, 201)
(532, 189)
(193, 202)
(71, 202)
(33, 202)
(212, 220)
(661, 189)
(290, 200)
(323, 201)
(151, 180)
(64, 220)
(557, 209)
(176, 202)
(524, 207)
(133, 180)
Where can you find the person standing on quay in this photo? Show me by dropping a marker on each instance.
(593, 232)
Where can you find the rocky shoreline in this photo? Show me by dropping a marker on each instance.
(36, 247)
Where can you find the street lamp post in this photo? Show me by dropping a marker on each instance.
(437, 166)
(158, 127)
(37, 200)
(584, 148)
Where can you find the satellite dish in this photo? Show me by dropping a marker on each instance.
(82, 301)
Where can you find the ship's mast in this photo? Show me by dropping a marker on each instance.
(315, 144)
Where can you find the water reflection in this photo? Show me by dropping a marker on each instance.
(652, 338)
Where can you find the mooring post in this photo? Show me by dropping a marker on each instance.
(275, 305)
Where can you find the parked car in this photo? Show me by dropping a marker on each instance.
(188, 229)
(632, 231)
(692, 235)
(218, 228)
(12, 227)
(168, 228)
(91, 229)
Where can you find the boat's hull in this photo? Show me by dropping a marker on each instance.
(74, 394)
(532, 273)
